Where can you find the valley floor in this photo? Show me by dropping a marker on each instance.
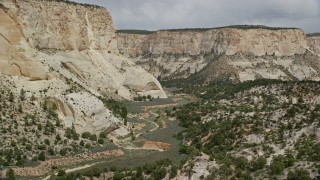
(151, 138)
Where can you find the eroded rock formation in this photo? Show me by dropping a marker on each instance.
(240, 53)
(62, 48)
(314, 42)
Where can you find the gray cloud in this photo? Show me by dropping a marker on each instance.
(169, 14)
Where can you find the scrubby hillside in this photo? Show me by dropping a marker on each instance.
(258, 129)
(32, 132)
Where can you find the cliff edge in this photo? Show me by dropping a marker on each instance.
(241, 52)
(64, 49)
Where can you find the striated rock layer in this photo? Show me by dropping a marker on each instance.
(241, 52)
(45, 43)
(314, 42)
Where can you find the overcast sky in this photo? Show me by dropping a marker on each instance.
(173, 14)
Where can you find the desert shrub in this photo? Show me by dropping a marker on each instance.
(86, 135)
(298, 174)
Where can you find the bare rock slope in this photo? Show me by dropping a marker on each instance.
(61, 48)
(237, 52)
(314, 42)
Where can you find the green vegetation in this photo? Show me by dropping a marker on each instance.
(313, 34)
(31, 131)
(237, 127)
(10, 174)
(156, 170)
(299, 174)
(137, 107)
(76, 3)
(21, 128)
(279, 163)
(244, 27)
(141, 164)
(143, 98)
(42, 156)
(308, 148)
(217, 90)
(134, 31)
(228, 114)
(118, 108)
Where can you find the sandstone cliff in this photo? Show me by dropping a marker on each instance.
(48, 44)
(314, 42)
(243, 52)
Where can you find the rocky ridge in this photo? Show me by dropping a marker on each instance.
(66, 50)
(237, 49)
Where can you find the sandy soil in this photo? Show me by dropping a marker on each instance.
(163, 124)
(144, 115)
(138, 127)
(156, 145)
(45, 166)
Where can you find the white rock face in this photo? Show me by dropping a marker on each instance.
(59, 25)
(12, 58)
(314, 44)
(80, 39)
(48, 48)
(89, 113)
(281, 42)
(242, 54)
(200, 169)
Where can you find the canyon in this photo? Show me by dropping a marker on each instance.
(77, 93)
(46, 43)
(236, 53)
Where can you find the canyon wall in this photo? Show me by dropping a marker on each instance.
(62, 26)
(314, 42)
(282, 42)
(249, 52)
(63, 48)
